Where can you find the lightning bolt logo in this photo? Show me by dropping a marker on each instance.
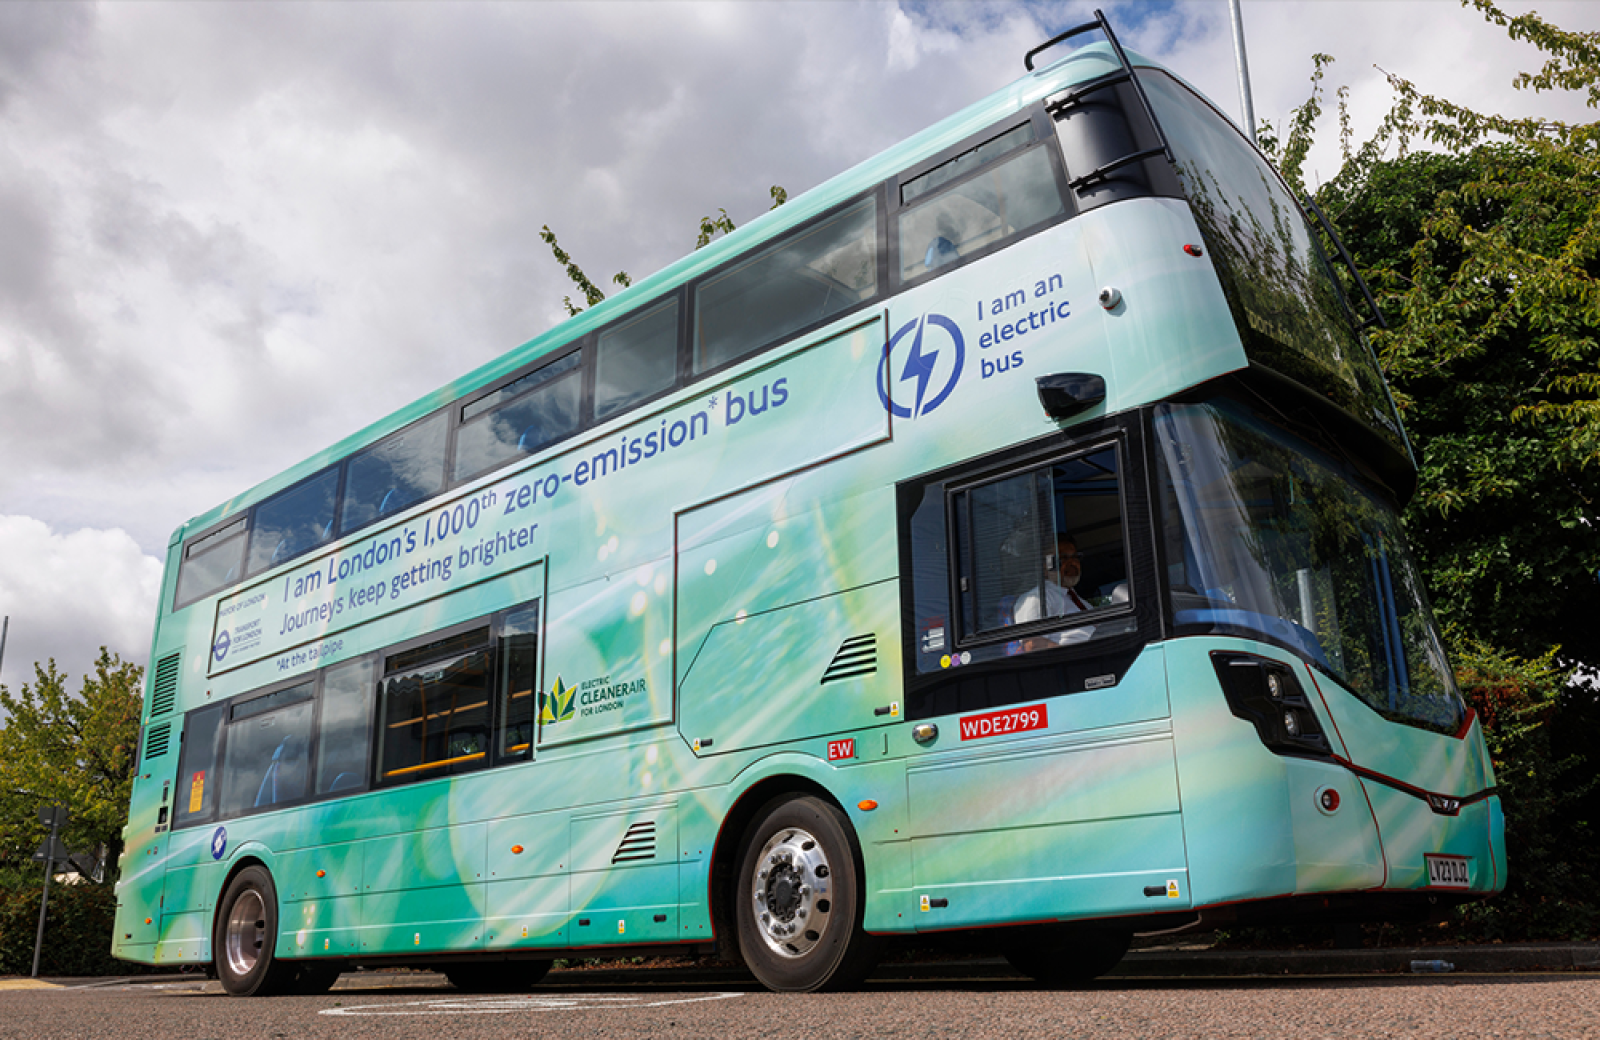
(921, 363)
(920, 366)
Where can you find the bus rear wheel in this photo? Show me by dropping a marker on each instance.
(798, 898)
(1071, 961)
(246, 937)
(497, 976)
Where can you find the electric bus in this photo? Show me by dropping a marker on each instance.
(1001, 538)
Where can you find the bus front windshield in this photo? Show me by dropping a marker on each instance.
(1268, 536)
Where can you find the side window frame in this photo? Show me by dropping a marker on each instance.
(946, 672)
(959, 494)
(1043, 139)
(314, 698)
(445, 653)
(584, 374)
(690, 315)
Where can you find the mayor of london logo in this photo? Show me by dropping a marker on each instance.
(219, 649)
(916, 380)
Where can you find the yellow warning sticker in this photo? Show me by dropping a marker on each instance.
(1172, 890)
(197, 792)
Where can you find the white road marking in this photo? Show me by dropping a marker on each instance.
(521, 1004)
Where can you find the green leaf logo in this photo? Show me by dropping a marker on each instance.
(557, 705)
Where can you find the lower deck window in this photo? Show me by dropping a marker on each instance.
(268, 753)
(435, 718)
(1039, 550)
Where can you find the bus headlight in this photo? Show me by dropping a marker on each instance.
(1266, 694)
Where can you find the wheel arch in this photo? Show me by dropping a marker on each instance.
(244, 861)
(725, 853)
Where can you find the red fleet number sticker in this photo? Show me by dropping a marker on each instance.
(1011, 720)
(841, 749)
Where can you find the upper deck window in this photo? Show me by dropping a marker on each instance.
(972, 215)
(520, 417)
(294, 521)
(395, 473)
(636, 359)
(806, 279)
(212, 562)
(1292, 317)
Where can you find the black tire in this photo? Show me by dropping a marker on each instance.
(246, 937)
(798, 898)
(1073, 961)
(313, 979)
(497, 976)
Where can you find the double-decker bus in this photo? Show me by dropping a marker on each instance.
(1000, 538)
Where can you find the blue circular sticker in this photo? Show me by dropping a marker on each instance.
(219, 649)
(219, 842)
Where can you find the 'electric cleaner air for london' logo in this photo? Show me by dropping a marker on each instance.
(558, 703)
(931, 369)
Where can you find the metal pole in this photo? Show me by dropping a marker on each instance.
(44, 901)
(3, 630)
(1244, 70)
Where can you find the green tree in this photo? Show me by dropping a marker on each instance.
(79, 751)
(1484, 253)
(710, 228)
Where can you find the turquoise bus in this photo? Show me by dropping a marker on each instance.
(1000, 540)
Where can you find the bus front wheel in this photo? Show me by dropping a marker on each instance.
(799, 901)
(246, 937)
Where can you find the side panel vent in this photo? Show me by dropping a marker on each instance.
(857, 655)
(164, 691)
(155, 743)
(639, 843)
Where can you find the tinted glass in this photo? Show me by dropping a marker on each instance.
(435, 720)
(519, 424)
(519, 673)
(294, 521)
(636, 359)
(268, 760)
(197, 771)
(1043, 545)
(979, 213)
(395, 473)
(345, 728)
(966, 162)
(1282, 290)
(1268, 535)
(806, 279)
(212, 562)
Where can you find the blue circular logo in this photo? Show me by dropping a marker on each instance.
(931, 370)
(219, 649)
(219, 842)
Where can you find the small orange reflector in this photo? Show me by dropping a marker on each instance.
(516, 850)
(322, 873)
(148, 920)
(1193, 250)
(866, 805)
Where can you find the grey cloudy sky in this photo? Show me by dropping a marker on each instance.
(231, 234)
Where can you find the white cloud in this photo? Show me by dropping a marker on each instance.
(69, 594)
(233, 234)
